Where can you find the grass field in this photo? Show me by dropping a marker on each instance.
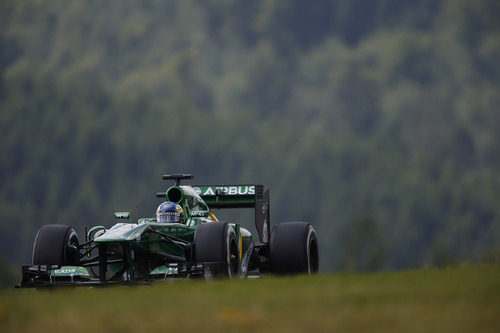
(459, 299)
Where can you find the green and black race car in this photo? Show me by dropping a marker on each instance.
(199, 245)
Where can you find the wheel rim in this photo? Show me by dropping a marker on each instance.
(233, 259)
(312, 253)
(71, 254)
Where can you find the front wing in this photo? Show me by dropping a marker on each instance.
(55, 275)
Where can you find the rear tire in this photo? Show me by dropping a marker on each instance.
(294, 248)
(56, 245)
(216, 242)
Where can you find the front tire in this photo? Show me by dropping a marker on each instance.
(294, 248)
(215, 242)
(56, 245)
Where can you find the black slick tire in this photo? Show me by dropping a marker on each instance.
(215, 242)
(56, 245)
(294, 248)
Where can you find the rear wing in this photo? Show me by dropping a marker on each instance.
(240, 196)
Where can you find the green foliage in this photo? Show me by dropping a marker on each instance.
(9, 275)
(364, 247)
(365, 119)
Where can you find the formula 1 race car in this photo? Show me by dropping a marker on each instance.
(199, 245)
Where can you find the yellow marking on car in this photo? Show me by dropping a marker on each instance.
(213, 217)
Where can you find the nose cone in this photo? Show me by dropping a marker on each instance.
(122, 232)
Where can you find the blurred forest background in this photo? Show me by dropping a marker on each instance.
(377, 121)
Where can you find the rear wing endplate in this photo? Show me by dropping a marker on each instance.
(240, 196)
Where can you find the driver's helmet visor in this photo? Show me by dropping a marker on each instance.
(168, 217)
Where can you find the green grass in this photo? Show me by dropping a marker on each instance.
(460, 299)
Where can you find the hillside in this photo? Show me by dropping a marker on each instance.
(378, 122)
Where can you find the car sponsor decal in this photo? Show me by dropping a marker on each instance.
(164, 270)
(226, 190)
(200, 213)
(70, 271)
